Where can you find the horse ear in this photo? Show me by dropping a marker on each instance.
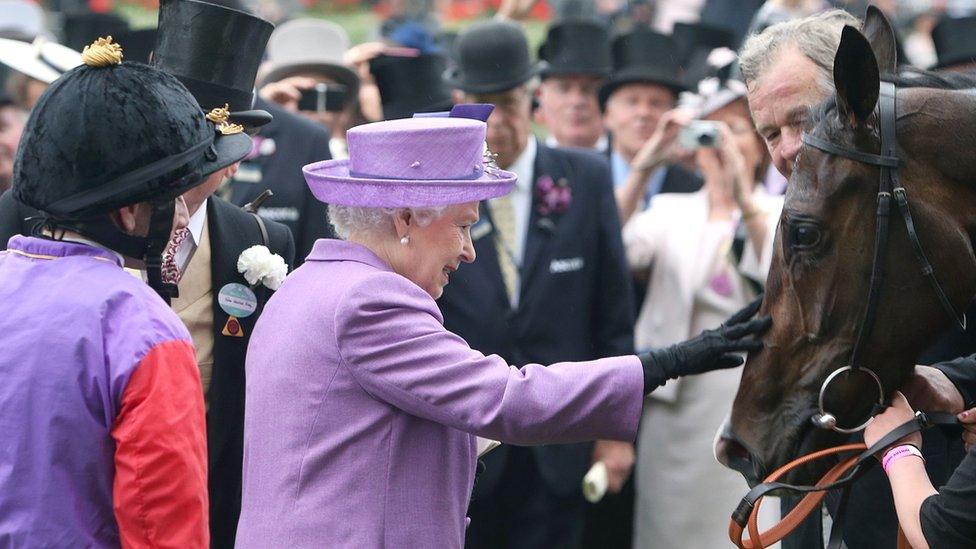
(881, 35)
(856, 77)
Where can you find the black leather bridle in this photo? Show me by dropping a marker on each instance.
(888, 187)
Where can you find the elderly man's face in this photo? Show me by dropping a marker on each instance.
(632, 113)
(438, 249)
(780, 101)
(509, 124)
(568, 107)
(12, 121)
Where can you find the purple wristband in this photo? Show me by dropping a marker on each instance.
(898, 452)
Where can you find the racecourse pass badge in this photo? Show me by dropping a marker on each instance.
(238, 301)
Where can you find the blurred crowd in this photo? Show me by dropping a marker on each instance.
(644, 213)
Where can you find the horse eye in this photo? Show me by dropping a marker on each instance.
(804, 236)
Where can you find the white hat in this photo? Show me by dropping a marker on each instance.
(310, 45)
(41, 60)
(21, 18)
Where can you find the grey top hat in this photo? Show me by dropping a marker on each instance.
(310, 45)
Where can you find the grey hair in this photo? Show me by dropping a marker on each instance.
(346, 220)
(816, 37)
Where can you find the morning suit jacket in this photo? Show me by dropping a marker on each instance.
(576, 296)
(283, 146)
(232, 230)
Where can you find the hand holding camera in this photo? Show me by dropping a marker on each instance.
(663, 146)
(299, 93)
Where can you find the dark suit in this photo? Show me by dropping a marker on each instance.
(288, 143)
(232, 230)
(575, 304)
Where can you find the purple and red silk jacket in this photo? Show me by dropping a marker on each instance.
(101, 410)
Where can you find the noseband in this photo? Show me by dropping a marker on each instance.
(889, 186)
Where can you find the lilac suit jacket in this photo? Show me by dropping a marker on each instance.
(362, 410)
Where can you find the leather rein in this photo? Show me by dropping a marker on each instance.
(843, 474)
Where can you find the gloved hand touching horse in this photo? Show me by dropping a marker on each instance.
(711, 350)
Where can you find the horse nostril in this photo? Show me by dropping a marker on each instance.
(730, 452)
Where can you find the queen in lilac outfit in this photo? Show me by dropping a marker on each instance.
(362, 411)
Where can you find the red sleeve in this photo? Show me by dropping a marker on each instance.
(160, 489)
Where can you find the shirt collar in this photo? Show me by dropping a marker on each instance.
(524, 164)
(601, 144)
(44, 248)
(195, 224)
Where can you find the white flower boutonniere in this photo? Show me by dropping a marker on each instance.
(260, 266)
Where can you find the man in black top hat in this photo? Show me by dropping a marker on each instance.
(215, 51)
(576, 61)
(643, 86)
(410, 85)
(955, 44)
(550, 284)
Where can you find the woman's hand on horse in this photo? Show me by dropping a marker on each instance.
(711, 350)
(895, 415)
(930, 390)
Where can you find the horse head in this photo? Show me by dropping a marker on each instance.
(821, 273)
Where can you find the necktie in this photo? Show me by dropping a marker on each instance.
(170, 271)
(503, 217)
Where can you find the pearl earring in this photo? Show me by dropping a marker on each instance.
(405, 240)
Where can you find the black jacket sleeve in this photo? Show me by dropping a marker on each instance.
(949, 517)
(962, 373)
(613, 319)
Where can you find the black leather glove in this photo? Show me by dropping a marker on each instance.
(711, 350)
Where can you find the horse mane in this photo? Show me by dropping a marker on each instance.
(907, 77)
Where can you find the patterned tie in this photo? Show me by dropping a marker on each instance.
(170, 271)
(503, 217)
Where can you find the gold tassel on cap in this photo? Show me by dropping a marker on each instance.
(221, 117)
(102, 53)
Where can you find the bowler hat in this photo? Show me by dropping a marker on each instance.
(576, 46)
(80, 28)
(310, 45)
(411, 84)
(955, 41)
(215, 52)
(492, 56)
(109, 134)
(643, 56)
(138, 44)
(433, 160)
(692, 38)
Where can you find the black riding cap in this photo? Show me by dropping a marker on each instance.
(109, 134)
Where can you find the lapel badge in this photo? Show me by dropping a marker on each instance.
(233, 327)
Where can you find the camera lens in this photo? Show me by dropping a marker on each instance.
(706, 140)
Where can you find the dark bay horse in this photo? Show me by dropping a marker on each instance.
(821, 275)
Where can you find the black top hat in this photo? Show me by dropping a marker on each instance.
(138, 44)
(109, 134)
(643, 56)
(692, 38)
(411, 84)
(215, 51)
(576, 46)
(492, 56)
(82, 28)
(955, 41)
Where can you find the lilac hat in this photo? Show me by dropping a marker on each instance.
(438, 159)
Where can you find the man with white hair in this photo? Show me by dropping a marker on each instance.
(788, 68)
